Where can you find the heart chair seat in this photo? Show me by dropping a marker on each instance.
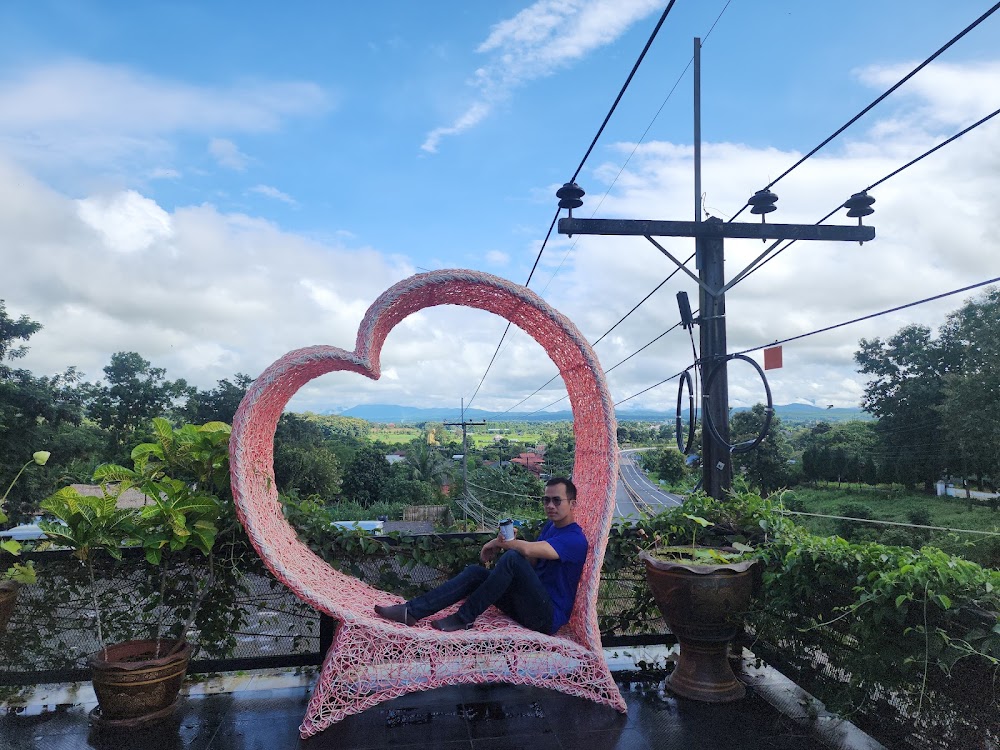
(372, 660)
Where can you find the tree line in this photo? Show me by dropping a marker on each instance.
(936, 402)
(329, 458)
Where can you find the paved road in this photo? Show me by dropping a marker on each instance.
(634, 488)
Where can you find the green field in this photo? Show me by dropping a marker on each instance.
(895, 505)
(393, 435)
(526, 439)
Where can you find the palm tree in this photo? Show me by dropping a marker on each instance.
(426, 464)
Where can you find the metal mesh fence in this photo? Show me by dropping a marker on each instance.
(247, 618)
(959, 710)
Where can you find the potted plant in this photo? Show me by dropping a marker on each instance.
(18, 573)
(137, 681)
(702, 593)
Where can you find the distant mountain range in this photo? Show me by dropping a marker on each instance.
(386, 413)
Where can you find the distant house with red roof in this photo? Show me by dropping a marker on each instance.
(533, 462)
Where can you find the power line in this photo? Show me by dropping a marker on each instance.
(879, 99)
(583, 161)
(643, 347)
(888, 523)
(601, 337)
(873, 315)
(760, 261)
(641, 139)
(621, 93)
(821, 330)
(640, 302)
(621, 362)
(655, 385)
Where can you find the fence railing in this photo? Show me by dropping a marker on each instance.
(251, 621)
(248, 621)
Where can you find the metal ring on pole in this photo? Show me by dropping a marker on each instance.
(685, 448)
(747, 445)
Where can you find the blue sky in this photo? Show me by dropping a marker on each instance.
(213, 184)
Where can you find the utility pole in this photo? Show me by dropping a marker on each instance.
(465, 450)
(709, 236)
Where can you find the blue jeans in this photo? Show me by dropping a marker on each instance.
(512, 585)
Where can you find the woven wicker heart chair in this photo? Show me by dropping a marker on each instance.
(372, 660)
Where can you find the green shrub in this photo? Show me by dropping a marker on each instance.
(850, 530)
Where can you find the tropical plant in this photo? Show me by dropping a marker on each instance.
(88, 524)
(182, 511)
(19, 572)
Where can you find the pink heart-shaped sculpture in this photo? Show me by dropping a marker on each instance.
(350, 600)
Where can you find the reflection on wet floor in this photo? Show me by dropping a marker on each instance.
(501, 717)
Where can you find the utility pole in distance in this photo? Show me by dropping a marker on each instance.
(465, 451)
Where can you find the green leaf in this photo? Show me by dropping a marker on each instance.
(12, 546)
(698, 520)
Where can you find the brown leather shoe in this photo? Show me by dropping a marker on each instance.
(451, 623)
(396, 613)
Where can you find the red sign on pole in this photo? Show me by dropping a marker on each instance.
(772, 358)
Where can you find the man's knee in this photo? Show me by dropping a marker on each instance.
(475, 572)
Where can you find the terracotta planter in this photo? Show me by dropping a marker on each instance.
(703, 604)
(133, 686)
(8, 598)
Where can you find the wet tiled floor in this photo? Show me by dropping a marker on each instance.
(493, 717)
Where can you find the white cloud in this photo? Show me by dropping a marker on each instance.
(936, 230)
(76, 111)
(201, 293)
(947, 93)
(497, 258)
(543, 38)
(127, 222)
(207, 294)
(227, 154)
(273, 192)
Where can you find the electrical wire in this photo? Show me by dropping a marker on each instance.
(761, 258)
(888, 523)
(760, 261)
(641, 139)
(538, 257)
(879, 99)
(621, 93)
(655, 385)
(603, 335)
(813, 333)
(576, 173)
(873, 315)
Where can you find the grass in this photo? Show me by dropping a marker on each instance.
(394, 435)
(525, 440)
(893, 504)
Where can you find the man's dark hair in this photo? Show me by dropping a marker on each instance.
(570, 487)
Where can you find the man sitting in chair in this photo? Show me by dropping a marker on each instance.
(533, 582)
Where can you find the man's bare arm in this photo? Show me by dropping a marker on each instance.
(531, 550)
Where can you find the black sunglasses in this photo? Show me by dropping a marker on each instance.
(553, 501)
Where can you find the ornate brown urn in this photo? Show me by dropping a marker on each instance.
(134, 686)
(703, 605)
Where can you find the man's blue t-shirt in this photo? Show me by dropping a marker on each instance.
(561, 577)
